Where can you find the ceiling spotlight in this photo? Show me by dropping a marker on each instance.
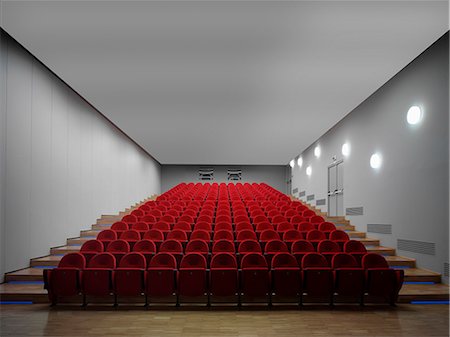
(317, 151)
(375, 161)
(346, 149)
(300, 161)
(292, 163)
(308, 170)
(414, 115)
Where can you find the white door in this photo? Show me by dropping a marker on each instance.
(336, 189)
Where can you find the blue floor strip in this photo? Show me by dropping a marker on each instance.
(400, 267)
(26, 282)
(16, 302)
(418, 282)
(45, 267)
(430, 302)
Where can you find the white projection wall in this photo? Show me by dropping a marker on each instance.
(63, 164)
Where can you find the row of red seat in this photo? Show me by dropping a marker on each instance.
(254, 282)
(298, 248)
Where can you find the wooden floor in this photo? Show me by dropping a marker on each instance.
(404, 320)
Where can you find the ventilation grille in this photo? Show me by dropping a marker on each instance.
(295, 190)
(354, 211)
(310, 197)
(234, 174)
(379, 228)
(446, 269)
(302, 193)
(320, 202)
(206, 173)
(420, 247)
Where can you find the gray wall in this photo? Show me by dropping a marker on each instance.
(273, 175)
(62, 164)
(410, 191)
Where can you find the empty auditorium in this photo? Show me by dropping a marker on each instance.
(241, 168)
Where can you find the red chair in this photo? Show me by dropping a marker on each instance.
(268, 235)
(241, 226)
(187, 218)
(129, 277)
(204, 226)
(241, 218)
(227, 226)
(224, 280)
(106, 236)
(173, 247)
(119, 227)
(349, 278)
(305, 227)
(340, 237)
(140, 227)
(90, 248)
(162, 226)
(316, 220)
(118, 248)
(138, 213)
(223, 246)
(201, 235)
(65, 280)
(97, 278)
(286, 279)
(146, 248)
(262, 226)
(283, 227)
(318, 282)
(277, 219)
(170, 219)
(131, 236)
(249, 246)
(327, 228)
(183, 226)
(150, 219)
(129, 219)
(382, 282)
(192, 282)
(223, 218)
(356, 248)
(198, 246)
(255, 282)
(178, 235)
(156, 236)
(274, 247)
(205, 218)
(315, 236)
(297, 219)
(246, 235)
(161, 278)
(223, 235)
(291, 236)
(156, 213)
(328, 249)
(308, 214)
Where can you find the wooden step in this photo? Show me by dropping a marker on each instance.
(64, 250)
(102, 227)
(344, 227)
(356, 234)
(369, 241)
(421, 275)
(400, 261)
(79, 241)
(27, 274)
(381, 250)
(34, 293)
(50, 260)
(423, 292)
(90, 232)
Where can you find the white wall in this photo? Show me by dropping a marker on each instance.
(66, 165)
(410, 191)
(274, 175)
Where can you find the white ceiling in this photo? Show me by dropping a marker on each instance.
(229, 82)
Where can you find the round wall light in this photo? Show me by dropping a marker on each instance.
(300, 161)
(317, 151)
(346, 149)
(308, 170)
(292, 163)
(376, 161)
(414, 115)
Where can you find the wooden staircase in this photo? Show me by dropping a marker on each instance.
(27, 284)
